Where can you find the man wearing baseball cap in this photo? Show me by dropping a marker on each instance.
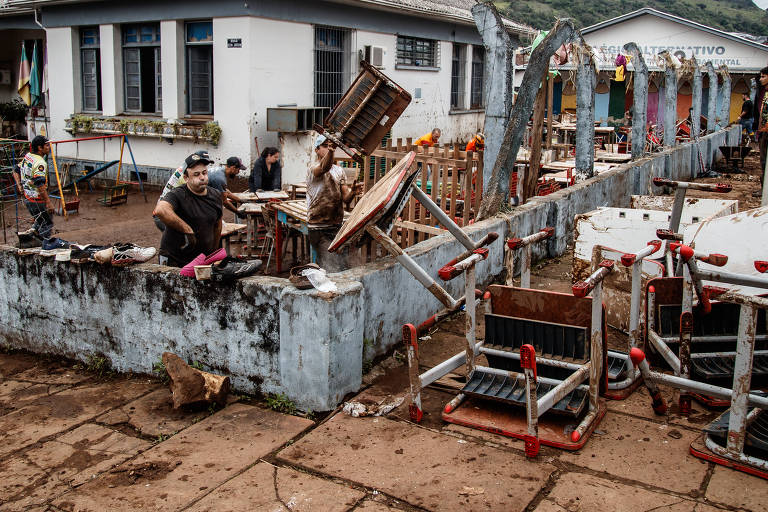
(192, 215)
(217, 178)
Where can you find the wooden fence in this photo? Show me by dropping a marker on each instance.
(442, 175)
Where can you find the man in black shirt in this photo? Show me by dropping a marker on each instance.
(745, 119)
(192, 214)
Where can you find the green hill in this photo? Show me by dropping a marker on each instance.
(728, 15)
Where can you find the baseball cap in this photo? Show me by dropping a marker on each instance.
(234, 161)
(320, 140)
(198, 157)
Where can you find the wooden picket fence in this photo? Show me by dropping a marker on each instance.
(442, 175)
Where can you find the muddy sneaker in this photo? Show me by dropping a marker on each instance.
(55, 243)
(128, 254)
(104, 256)
(54, 247)
(230, 269)
(28, 241)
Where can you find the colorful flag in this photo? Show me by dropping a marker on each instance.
(34, 78)
(24, 76)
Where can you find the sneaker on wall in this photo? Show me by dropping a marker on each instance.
(54, 247)
(128, 254)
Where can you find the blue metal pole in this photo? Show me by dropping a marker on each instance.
(135, 169)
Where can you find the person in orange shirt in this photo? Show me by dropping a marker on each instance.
(429, 139)
(477, 143)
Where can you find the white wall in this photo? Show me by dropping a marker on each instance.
(433, 108)
(274, 66)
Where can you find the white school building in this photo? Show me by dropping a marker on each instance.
(172, 73)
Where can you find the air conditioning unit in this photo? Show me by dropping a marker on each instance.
(374, 55)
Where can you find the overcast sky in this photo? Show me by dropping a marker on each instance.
(761, 3)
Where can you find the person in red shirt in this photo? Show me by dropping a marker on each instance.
(477, 143)
(429, 139)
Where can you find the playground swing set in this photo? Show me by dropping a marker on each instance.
(114, 195)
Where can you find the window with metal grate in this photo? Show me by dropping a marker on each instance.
(418, 52)
(332, 64)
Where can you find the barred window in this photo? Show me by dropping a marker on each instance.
(332, 56)
(90, 69)
(414, 51)
(458, 75)
(476, 99)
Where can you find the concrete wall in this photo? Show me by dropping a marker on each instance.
(265, 334)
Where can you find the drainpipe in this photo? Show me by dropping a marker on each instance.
(640, 100)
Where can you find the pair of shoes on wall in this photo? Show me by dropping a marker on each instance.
(124, 254)
(188, 270)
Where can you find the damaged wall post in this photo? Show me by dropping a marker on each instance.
(498, 186)
(586, 76)
(725, 108)
(670, 100)
(639, 101)
(696, 100)
(712, 107)
(499, 86)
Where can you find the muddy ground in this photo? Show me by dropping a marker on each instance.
(78, 438)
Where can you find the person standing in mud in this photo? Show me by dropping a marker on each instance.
(326, 196)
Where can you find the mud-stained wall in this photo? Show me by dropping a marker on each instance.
(132, 315)
(265, 334)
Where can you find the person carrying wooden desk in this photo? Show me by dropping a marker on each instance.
(326, 196)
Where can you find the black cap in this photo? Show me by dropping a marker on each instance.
(234, 161)
(198, 157)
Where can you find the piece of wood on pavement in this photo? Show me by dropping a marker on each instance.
(191, 386)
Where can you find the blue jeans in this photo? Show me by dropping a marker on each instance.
(746, 124)
(43, 221)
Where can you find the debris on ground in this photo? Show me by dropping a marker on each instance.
(381, 408)
(192, 386)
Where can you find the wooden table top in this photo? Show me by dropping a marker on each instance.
(250, 208)
(229, 228)
(249, 197)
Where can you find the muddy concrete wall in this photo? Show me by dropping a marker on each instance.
(392, 297)
(267, 336)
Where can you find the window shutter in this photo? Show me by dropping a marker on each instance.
(132, 67)
(200, 79)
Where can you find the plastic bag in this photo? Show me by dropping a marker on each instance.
(319, 280)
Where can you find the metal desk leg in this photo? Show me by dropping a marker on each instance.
(278, 245)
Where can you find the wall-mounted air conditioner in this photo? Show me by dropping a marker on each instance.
(374, 55)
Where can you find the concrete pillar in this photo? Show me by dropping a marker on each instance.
(712, 107)
(696, 100)
(586, 77)
(725, 108)
(499, 82)
(640, 100)
(670, 101)
(63, 57)
(171, 55)
(111, 70)
(497, 192)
